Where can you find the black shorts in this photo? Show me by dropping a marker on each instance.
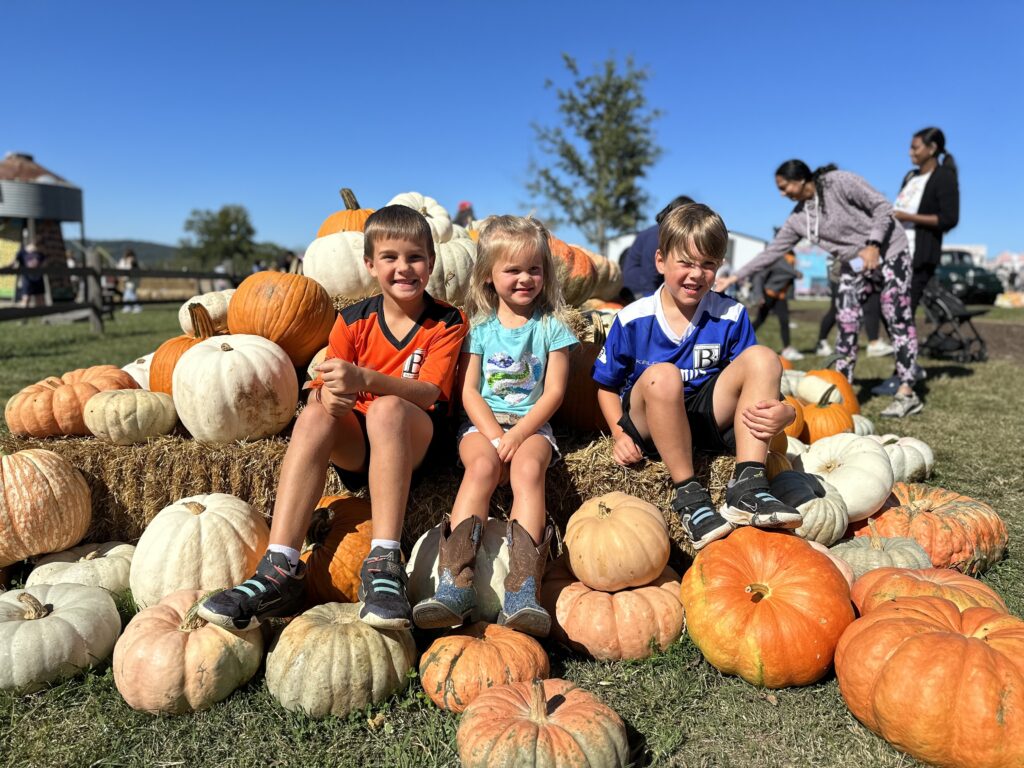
(441, 444)
(700, 413)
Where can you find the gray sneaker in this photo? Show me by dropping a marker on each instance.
(903, 405)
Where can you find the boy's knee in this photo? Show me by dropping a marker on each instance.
(388, 413)
(661, 381)
(765, 358)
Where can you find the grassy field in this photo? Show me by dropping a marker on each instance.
(680, 711)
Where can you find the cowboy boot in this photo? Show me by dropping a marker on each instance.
(454, 598)
(521, 608)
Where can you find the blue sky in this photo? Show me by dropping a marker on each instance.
(159, 108)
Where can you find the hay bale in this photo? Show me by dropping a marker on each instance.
(130, 484)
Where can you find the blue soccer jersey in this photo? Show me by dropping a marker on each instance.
(640, 336)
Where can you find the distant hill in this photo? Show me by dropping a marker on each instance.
(152, 255)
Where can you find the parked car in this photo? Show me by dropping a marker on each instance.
(972, 284)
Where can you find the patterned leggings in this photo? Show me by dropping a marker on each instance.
(892, 281)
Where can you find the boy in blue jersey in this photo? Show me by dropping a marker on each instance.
(682, 368)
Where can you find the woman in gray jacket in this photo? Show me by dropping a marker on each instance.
(841, 213)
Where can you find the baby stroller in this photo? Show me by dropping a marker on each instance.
(954, 336)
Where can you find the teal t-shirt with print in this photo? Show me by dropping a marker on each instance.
(514, 360)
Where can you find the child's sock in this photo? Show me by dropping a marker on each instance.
(742, 465)
(386, 543)
(291, 554)
(685, 482)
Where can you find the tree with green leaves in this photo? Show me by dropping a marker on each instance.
(600, 152)
(219, 236)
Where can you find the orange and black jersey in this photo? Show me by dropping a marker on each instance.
(429, 352)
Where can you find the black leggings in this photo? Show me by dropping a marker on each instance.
(781, 308)
(872, 315)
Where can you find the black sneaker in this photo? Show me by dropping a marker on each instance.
(382, 590)
(698, 516)
(749, 501)
(273, 591)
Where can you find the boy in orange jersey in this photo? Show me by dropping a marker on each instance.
(384, 386)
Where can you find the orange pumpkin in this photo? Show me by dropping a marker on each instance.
(293, 311)
(842, 385)
(167, 355)
(779, 443)
(775, 463)
(786, 364)
(575, 270)
(945, 686)
(459, 666)
(55, 406)
(766, 607)
(351, 219)
(339, 537)
(955, 530)
(579, 409)
(883, 584)
(795, 427)
(543, 723)
(823, 419)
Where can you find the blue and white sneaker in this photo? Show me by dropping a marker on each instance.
(697, 514)
(272, 591)
(749, 501)
(382, 590)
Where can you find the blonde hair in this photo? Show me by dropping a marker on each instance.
(397, 222)
(502, 238)
(696, 224)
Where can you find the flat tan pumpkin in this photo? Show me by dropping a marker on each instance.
(94, 565)
(129, 416)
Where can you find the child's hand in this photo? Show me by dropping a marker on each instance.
(335, 405)
(625, 451)
(767, 418)
(508, 445)
(341, 377)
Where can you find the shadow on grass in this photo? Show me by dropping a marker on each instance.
(934, 372)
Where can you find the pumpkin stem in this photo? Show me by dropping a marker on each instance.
(36, 610)
(202, 323)
(319, 526)
(225, 347)
(190, 622)
(757, 591)
(874, 536)
(603, 510)
(92, 555)
(538, 703)
(349, 197)
(824, 401)
(195, 507)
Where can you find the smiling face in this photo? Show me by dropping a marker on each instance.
(687, 277)
(518, 279)
(795, 189)
(402, 267)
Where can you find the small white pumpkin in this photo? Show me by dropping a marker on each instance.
(489, 572)
(216, 303)
(863, 426)
(49, 632)
(94, 565)
(139, 370)
(336, 262)
(858, 467)
(127, 416)
(912, 459)
(237, 387)
(824, 511)
(435, 213)
(794, 447)
(811, 389)
(453, 268)
(790, 380)
(206, 542)
(329, 662)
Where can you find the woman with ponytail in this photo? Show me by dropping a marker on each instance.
(841, 213)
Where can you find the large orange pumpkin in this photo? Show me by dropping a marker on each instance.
(575, 270)
(824, 419)
(943, 685)
(293, 311)
(351, 219)
(339, 538)
(55, 406)
(460, 665)
(884, 584)
(955, 530)
(546, 723)
(167, 355)
(766, 607)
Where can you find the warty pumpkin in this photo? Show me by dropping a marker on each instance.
(338, 542)
(54, 406)
(460, 665)
(351, 218)
(884, 584)
(94, 565)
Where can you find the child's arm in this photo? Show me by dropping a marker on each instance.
(555, 379)
(473, 402)
(767, 418)
(624, 451)
(344, 378)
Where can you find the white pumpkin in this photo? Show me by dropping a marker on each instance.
(139, 370)
(127, 416)
(862, 425)
(794, 447)
(824, 511)
(207, 542)
(94, 565)
(453, 268)
(336, 262)
(329, 662)
(811, 389)
(49, 632)
(435, 213)
(489, 572)
(912, 459)
(858, 467)
(790, 380)
(216, 303)
(237, 387)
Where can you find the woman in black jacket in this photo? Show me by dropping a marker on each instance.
(928, 205)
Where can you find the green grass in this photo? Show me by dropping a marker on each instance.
(680, 711)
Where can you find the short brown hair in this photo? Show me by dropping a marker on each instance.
(697, 224)
(397, 222)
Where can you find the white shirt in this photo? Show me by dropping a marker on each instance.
(909, 201)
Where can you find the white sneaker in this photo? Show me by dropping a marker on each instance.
(790, 353)
(879, 348)
(903, 405)
(824, 348)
